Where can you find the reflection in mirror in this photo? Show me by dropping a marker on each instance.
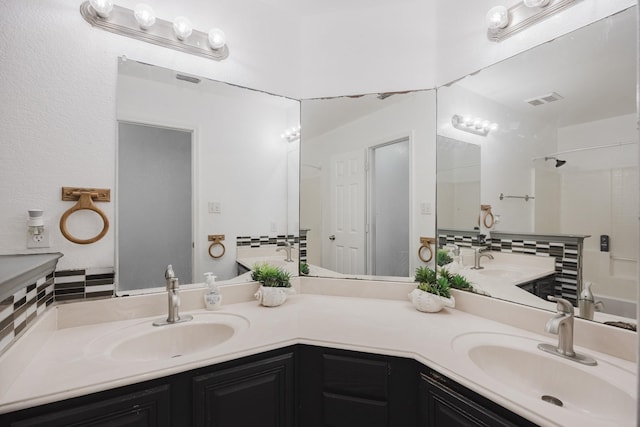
(561, 171)
(458, 184)
(367, 183)
(198, 158)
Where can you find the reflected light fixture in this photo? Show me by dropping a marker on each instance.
(144, 15)
(503, 22)
(182, 27)
(475, 125)
(291, 134)
(102, 7)
(536, 3)
(497, 18)
(142, 24)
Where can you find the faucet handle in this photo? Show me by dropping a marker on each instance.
(168, 273)
(563, 306)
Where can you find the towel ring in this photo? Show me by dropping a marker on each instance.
(426, 244)
(85, 201)
(492, 220)
(217, 241)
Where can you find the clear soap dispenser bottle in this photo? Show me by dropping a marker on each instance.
(212, 297)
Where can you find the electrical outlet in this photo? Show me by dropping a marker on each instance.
(41, 240)
(215, 207)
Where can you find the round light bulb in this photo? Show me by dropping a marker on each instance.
(102, 7)
(477, 123)
(217, 39)
(467, 120)
(497, 18)
(486, 125)
(144, 15)
(536, 3)
(182, 27)
(493, 126)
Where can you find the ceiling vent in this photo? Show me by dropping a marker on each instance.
(544, 99)
(186, 78)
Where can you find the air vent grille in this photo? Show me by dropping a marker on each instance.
(544, 99)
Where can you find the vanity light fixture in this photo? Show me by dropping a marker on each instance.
(475, 125)
(142, 24)
(144, 15)
(503, 22)
(292, 134)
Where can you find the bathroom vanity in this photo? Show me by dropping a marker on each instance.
(335, 353)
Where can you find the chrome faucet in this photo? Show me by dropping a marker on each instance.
(287, 248)
(476, 258)
(561, 324)
(173, 288)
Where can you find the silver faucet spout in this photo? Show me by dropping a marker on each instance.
(561, 324)
(477, 255)
(287, 248)
(173, 297)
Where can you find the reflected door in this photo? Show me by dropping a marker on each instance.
(390, 207)
(347, 242)
(154, 189)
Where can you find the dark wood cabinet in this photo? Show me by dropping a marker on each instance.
(146, 408)
(250, 395)
(445, 403)
(303, 385)
(339, 388)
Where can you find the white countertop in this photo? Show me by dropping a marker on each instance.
(57, 360)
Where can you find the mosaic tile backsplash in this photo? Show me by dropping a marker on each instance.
(567, 251)
(21, 310)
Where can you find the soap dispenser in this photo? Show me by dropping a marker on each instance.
(212, 297)
(586, 303)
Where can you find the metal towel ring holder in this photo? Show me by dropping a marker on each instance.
(217, 241)
(85, 199)
(426, 244)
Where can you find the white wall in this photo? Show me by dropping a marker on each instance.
(59, 76)
(612, 175)
(58, 89)
(382, 48)
(414, 116)
(506, 154)
(462, 46)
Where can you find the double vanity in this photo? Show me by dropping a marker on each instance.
(338, 352)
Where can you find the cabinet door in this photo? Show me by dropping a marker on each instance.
(339, 388)
(442, 404)
(147, 408)
(251, 395)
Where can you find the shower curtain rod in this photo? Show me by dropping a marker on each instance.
(575, 150)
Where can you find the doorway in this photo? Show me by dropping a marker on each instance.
(154, 208)
(389, 207)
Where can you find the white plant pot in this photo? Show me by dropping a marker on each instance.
(272, 297)
(430, 303)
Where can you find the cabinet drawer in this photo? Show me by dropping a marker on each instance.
(356, 376)
(347, 411)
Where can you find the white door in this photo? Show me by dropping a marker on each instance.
(347, 227)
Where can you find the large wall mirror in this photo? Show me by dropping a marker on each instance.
(562, 161)
(367, 183)
(199, 158)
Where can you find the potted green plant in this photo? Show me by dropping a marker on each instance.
(304, 268)
(275, 284)
(432, 292)
(443, 258)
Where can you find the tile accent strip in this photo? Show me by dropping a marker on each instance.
(21, 310)
(279, 240)
(567, 251)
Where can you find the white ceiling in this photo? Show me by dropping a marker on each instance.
(316, 7)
